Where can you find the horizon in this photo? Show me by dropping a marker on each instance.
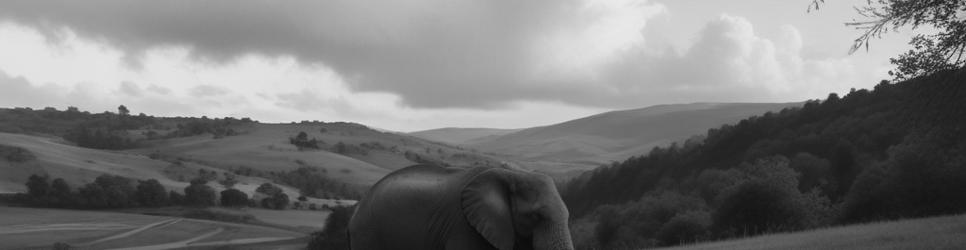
(422, 66)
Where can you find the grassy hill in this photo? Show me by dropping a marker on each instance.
(596, 140)
(462, 136)
(79, 166)
(944, 232)
(349, 153)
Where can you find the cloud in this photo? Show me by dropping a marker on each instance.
(205, 90)
(130, 89)
(407, 65)
(18, 92)
(728, 61)
(453, 53)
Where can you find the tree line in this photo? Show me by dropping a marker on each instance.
(893, 152)
(113, 191)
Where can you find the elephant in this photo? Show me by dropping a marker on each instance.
(432, 207)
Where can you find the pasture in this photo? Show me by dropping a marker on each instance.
(946, 232)
(22, 228)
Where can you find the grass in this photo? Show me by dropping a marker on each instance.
(946, 232)
(306, 219)
(78, 227)
(11, 217)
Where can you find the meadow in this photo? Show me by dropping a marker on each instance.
(25, 228)
(944, 232)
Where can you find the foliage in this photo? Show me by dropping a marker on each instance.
(268, 189)
(37, 186)
(931, 53)
(233, 198)
(16, 154)
(199, 194)
(301, 141)
(757, 207)
(151, 193)
(279, 201)
(109, 130)
(109, 191)
(313, 182)
(636, 225)
(335, 233)
(685, 227)
(898, 151)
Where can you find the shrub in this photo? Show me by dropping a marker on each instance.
(755, 207)
(685, 227)
(151, 193)
(199, 194)
(335, 234)
(233, 198)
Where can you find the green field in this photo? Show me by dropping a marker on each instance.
(947, 232)
(32, 228)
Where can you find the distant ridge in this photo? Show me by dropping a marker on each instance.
(588, 142)
(460, 136)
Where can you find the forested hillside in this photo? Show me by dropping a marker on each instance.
(897, 151)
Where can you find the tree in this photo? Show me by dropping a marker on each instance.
(229, 181)
(175, 198)
(758, 206)
(233, 198)
(931, 53)
(268, 189)
(122, 110)
(199, 194)
(60, 189)
(335, 233)
(109, 191)
(151, 193)
(37, 186)
(278, 201)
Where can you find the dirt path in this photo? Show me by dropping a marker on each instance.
(15, 229)
(177, 244)
(132, 232)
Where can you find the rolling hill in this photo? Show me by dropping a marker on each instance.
(176, 150)
(350, 153)
(589, 142)
(78, 166)
(462, 136)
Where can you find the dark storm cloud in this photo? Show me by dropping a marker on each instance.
(436, 54)
(432, 53)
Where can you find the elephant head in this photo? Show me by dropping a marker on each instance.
(514, 209)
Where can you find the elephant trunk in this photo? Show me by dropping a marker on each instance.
(552, 236)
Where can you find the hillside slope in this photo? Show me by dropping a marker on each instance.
(79, 166)
(349, 153)
(461, 136)
(589, 142)
(894, 152)
(944, 232)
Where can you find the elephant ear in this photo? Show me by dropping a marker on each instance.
(486, 205)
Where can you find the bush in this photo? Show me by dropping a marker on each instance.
(109, 191)
(175, 198)
(685, 227)
(16, 154)
(755, 207)
(233, 198)
(278, 201)
(199, 194)
(151, 193)
(335, 235)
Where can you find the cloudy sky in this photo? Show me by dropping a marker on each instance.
(419, 64)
